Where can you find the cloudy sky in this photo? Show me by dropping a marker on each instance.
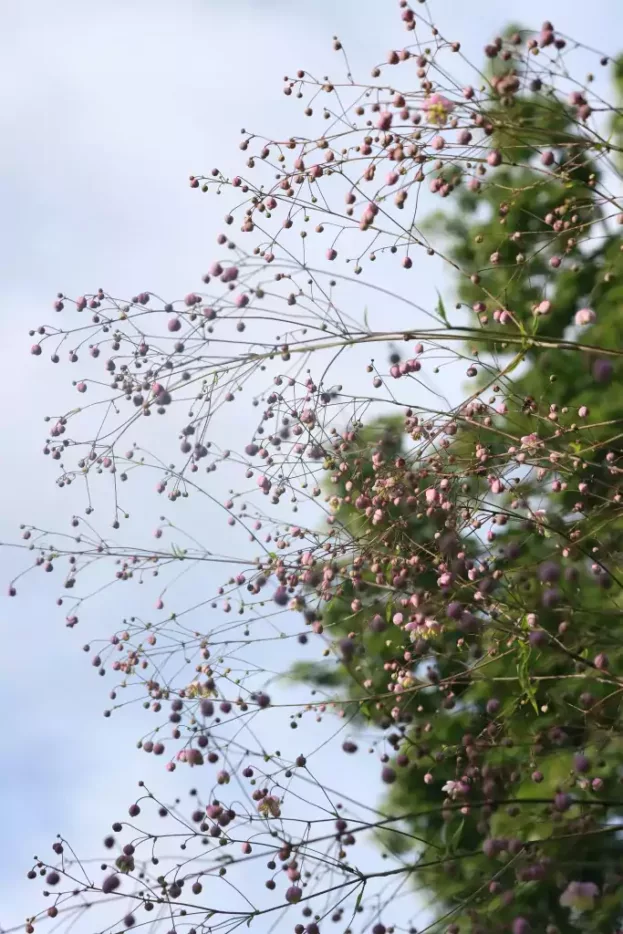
(105, 110)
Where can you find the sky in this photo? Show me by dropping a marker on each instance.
(106, 108)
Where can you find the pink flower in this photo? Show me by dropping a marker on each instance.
(580, 896)
(437, 107)
(453, 789)
(264, 483)
(230, 274)
(585, 316)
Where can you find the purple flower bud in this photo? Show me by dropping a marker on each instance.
(388, 775)
(549, 572)
(602, 371)
(551, 598)
(491, 848)
(537, 637)
(280, 596)
(469, 624)
(110, 884)
(377, 624)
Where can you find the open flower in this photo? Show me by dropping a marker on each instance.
(454, 789)
(580, 896)
(530, 441)
(269, 807)
(437, 107)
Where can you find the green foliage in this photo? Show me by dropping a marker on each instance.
(536, 686)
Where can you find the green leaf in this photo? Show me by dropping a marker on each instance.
(523, 672)
(514, 363)
(360, 896)
(456, 836)
(320, 674)
(441, 310)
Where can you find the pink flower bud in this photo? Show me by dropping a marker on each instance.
(585, 316)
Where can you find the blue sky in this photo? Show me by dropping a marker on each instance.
(105, 109)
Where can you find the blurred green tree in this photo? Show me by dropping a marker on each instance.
(502, 707)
